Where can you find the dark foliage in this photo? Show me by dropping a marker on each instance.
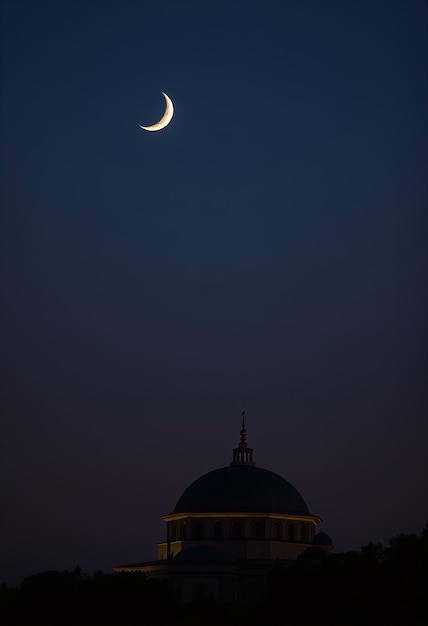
(72, 597)
(374, 585)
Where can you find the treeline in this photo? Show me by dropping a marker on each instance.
(376, 585)
(73, 597)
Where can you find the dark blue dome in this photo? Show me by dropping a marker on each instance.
(243, 489)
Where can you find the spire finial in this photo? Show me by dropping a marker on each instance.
(243, 433)
(243, 455)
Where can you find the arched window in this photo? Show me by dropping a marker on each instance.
(199, 530)
(276, 531)
(303, 533)
(290, 532)
(217, 530)
(174, 532)
(257, 530)
(237, 531)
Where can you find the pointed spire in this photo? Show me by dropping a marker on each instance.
(243, 433)
(243, 455)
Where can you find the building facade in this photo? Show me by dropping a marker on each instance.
(227, 530)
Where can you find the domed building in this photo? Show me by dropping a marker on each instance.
(229, 527)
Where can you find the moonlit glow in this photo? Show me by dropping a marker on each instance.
(165, 119)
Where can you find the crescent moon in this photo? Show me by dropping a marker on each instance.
(165, 119)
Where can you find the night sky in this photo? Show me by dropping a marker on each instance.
(267, 249)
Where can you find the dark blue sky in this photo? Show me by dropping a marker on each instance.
(267, 249)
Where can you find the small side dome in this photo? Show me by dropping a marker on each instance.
(204, 554)
(322, 539)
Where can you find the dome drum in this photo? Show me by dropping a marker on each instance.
(228, 527)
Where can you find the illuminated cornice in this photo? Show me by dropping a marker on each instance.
(174, 517)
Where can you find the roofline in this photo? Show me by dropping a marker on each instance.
(172, 517)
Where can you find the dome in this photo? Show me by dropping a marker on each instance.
(243, 489)
(322, 539)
